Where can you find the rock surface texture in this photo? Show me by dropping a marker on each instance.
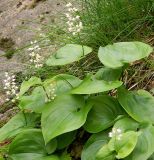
(20, 20)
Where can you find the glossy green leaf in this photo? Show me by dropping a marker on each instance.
(118, 54)
(93, 145)
(108, 74)
(91, 85)
(105, 154)
(103, 113)
(145, 145)
(66, 113)
(68, 54)
(62, 83)
(35, 102)
(65, 139)
(19, 123)
(126, 124)
(138, 104)
(125, 145)
(27, 84)
(29, 143)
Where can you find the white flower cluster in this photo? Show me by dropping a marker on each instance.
(116, 132)
(52, 94)
(35, 57)
(10, 87)
(74, 23)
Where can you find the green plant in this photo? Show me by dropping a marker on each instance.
(54, 110)
(107, 22)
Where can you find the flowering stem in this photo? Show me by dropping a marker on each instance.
(81, 43)
(45, 92)
(67, 82)
(24, 116)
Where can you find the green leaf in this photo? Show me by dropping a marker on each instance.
(105, 154)
(151, 158)
(103, 113)
(17, 124)
(118, 54)
(51, 146)
(65, 156)
(29, 143)
(32, 156)
(139, 104)
(108, 74)
(66, 113)
(27, 84)
(65, 139)
(93, 145)
(35, 102)
(91, 85)
(126, 124)
(125, 145)
(62, 83)
(145, 145)
(68, 54)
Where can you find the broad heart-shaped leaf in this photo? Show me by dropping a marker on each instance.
(139, 105)
(125, 145)
(62, 83)
(126, 124)
(66, 113)
(93, 145)
(145, 145)
(68, 54)
(34, 102)
(91, 85)
(118, 54)
(20, 122)
(103, 113)
(108, 74)
(105, 154)
(29, 143)
(27, 84)
(65, 139)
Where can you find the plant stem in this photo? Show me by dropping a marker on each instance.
(81, 43)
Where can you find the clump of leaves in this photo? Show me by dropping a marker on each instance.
(53, 110)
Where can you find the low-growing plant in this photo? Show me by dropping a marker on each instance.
(54, 111)
(116, 20)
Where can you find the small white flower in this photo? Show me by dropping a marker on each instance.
(30, 49)
(13, 100)
(74, 33)
(35, 57)
(116, 132)
(10, 86)
(70, 29)
(67, 15)
(69, 5)
(75, 9)
(7, 99)
(74, 23)
(77, 17)
(8, 92)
